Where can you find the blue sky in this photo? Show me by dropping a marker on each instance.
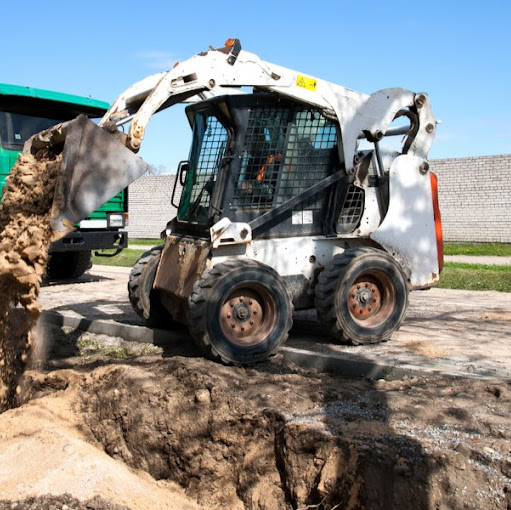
(456, 51)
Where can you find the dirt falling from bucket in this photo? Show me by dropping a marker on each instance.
(24, 243)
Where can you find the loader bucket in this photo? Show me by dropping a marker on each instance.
(95, 167)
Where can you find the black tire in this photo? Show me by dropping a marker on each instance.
(362, 296)
(240, 312)
(68, 265)
(143, 298)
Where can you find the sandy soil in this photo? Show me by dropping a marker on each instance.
(186, 432)
(45, 449)
(24, 243)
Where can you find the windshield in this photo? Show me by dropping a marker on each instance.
(208, 148)
(17, 128)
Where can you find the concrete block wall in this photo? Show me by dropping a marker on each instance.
(474, 194)
(150, 207)
(475, 198)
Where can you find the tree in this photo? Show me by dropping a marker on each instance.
(156, 170)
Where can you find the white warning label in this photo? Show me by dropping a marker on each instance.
(302, 217)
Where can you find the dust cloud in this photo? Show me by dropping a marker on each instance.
(25, 236)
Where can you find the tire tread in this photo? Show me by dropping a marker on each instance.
(328, 282)
(197, 303)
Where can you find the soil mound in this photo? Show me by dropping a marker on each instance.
(24, 243)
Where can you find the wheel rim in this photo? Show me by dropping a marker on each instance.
(371, 298)
(248, 314)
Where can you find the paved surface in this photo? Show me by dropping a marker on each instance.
(139, 247)
(471, 259)
(450, 331)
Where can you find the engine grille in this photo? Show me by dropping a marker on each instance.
(351, 212)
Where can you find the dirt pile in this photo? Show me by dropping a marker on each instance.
(24, 243)
(275, 437)
(49, 459)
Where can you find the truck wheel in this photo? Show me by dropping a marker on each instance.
(240, 312)
(143, 298)
(362, 296)
(68, 265)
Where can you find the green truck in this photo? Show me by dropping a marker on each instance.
(25, 111)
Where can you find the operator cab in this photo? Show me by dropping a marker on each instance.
(251, 154)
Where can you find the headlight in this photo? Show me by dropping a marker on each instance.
(115, 220)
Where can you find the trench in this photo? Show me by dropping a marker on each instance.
(235, 438)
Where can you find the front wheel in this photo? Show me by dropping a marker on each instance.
(362, 296)
(240, 312)
(144, 299)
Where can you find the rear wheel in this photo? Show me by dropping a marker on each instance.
(240, 312)
(362, 296)
(143, 298)
(68, 265)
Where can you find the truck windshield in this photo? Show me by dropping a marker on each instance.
(208, 148)
(17, 128)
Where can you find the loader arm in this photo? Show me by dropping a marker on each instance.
(208, 73)
(98, 162)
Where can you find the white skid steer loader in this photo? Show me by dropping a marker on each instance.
(281, 208)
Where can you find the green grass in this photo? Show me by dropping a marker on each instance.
(475, 277)
(126, 258)
(88, 346)
(147, 242)
(487, 249)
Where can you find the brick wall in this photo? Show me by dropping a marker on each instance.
(475, 200)
(149, 205)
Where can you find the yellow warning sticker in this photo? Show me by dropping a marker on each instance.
(306, 83)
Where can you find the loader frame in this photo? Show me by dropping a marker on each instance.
(281, 208)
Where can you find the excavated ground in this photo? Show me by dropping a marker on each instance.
(271, 437)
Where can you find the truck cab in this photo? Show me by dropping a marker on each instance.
(25, 111)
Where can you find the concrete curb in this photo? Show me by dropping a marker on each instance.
(350, 367)
(127, 332)
(321, 362)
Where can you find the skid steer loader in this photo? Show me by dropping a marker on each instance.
(288, 202)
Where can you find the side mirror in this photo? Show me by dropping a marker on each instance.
(182, 169)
